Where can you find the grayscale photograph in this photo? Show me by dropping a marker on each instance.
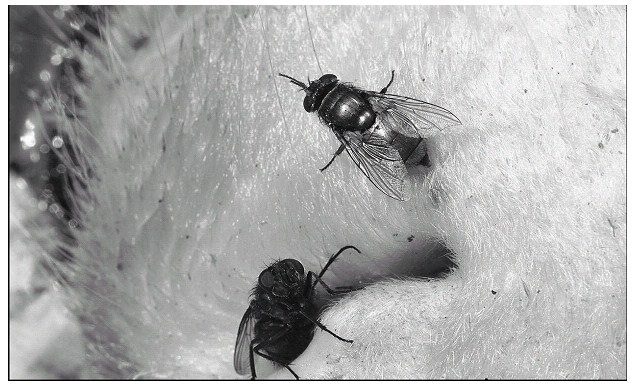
(307, 192)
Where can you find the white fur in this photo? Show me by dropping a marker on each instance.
(521, 192)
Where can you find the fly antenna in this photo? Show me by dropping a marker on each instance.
(305, 9)
(295, 81)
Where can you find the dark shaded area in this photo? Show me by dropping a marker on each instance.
(41, 60)
(437, 262)
(418, 258)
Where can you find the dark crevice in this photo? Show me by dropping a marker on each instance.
(430, 260)
(419, 258)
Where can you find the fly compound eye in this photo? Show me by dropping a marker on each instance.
(296, 266)
(266, 279)
(328, 78)
(309, 103)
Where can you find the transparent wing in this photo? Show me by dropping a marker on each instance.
(410, 117)
(245, 335)
(380, 163)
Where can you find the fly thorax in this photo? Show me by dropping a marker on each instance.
(346, 109)
(366, 119)
(277, 312)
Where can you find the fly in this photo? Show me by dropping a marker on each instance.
(280, 320)
(370, 125)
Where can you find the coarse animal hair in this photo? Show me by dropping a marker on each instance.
(190, 181)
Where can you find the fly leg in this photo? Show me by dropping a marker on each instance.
(251, 359)
(257, 345)
(338, 290)
(331, 260)
(384, 90)
(280, 363)
(337, 153)
(345, 289)
(319, 324)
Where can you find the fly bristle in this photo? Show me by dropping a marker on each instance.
(275, 261)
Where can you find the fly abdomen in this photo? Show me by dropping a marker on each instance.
(411, 150)
(346, 109)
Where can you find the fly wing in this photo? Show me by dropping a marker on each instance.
(380, 162)
(245, 334)
(408, 116)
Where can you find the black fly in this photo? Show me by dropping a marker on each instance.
(368, 125)
(279, 322)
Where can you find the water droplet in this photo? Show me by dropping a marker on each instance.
(20, 183)
(29, 125)
(58, 141)
(61, 168)
(33, 94)
(73, 223)
(28, 139)
(45, 76)
(77, 24)
(57, 210)
(42, 205)
(44, 149)
(56, 60)
(53, 208)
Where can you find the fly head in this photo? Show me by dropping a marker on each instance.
(315, 90)
(284, 279)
